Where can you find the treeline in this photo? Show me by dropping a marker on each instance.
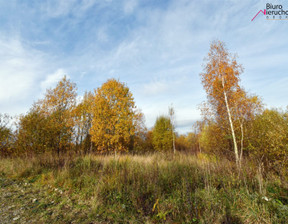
(105, 121)
(235, 123)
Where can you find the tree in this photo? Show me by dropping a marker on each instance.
(268, 142)
(141, 141)
(244, 111)
(34, 133)
(213, 139)
(5, 134)
(114, 117)
(49, 124)
(221, 81)
(162, 134)
(83, 123)
(172, 120)
(229, 106)
(59, 104)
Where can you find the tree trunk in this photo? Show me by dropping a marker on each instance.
(174, 148)
(242, 140)
(172, 119)
(90, 148)
(231, 124)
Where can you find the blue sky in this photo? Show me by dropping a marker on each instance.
(155, 46)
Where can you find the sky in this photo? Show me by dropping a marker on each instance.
(156, 47)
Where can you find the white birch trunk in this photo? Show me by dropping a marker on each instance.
(242, 140)
(231, 124)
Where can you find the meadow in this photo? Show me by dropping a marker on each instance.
(150, 188)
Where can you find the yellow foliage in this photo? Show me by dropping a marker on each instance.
(114, 117)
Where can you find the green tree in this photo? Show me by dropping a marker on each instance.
(162, 134)
(268, 141)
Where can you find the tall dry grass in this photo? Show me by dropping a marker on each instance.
(160, 187)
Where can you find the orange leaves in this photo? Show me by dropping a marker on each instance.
(229, 106)
(220, 75)
(220, 65)
(221, 82)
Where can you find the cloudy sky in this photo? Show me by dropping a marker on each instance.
(155, 46)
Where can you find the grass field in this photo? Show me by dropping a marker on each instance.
(154, 188)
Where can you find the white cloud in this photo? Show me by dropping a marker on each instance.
(20, 68)
(156, 87)
(53, 78)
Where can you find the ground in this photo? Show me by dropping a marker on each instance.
(23, 202)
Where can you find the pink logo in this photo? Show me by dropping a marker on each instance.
(258, 13)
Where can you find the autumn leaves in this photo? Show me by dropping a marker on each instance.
(105, 120)
(228, 103)
(114, 117)
(233, 117)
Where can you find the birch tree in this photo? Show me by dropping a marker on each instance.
(172, 120)
(221, 81)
